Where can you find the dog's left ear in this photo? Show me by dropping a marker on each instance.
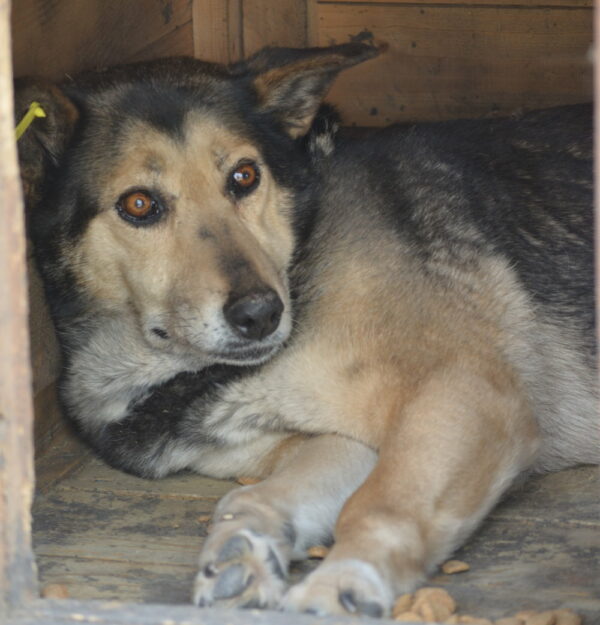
(291, 83)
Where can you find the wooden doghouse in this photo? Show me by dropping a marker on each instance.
(106, 536)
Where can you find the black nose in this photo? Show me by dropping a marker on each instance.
(254, 315)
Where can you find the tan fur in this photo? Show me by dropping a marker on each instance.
(425, 370)
(170, 271)
(427, 384)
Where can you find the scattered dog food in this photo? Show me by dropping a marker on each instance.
(454, 566)
(317, 552)
(204, 518)
(409, 617)
(566, 617)
(402, 604)
(55, 591)
(525, 614)
(247, 481)
(433, 604)
(436, 605)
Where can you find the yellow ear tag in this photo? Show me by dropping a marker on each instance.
(35, 110)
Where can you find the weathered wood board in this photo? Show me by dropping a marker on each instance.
(51, 38)
(447, 60)
(106, 535)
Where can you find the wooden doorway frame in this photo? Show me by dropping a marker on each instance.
(19, 598)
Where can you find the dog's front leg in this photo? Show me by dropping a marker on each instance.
(258, 529)
(447, 457)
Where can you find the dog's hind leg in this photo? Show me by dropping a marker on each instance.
(258, 529)
(447, 457)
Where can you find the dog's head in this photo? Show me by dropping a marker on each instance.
(171, 193)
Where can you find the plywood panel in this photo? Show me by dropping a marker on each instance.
(51, 38)
(451, 61)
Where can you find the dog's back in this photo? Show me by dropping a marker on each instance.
(497, 206)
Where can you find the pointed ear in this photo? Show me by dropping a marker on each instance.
(42, 145)
(291, 83)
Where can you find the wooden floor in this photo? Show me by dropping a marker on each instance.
(107, 535)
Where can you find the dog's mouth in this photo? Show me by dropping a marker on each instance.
(247, 355)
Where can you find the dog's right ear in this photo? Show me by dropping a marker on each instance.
(291, 83)
(43, 144)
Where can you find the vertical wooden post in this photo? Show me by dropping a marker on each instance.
(17, 570)
(312, 23)
(595, 57)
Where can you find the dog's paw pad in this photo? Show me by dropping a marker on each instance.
(348, 587)
(232, 582)
(240, 571)
(235, 548)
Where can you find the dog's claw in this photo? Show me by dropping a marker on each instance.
(353, 605)
(348, 601)
(244, 571)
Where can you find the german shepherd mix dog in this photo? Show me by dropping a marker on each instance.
(392, 328)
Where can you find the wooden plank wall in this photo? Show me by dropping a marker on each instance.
(454, 59)
(229, 30)
(52, 38)
(446, 59)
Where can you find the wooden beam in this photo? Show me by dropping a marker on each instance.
(597, 171)
(68, 612)
(17, 574)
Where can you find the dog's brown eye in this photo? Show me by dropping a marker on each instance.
(139, 207)
(137, 204)
(244, 178)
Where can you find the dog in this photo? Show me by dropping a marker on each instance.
(390, 328)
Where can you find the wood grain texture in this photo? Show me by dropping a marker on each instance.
(53, 38)
(281, 23)
(526, 4)
(597, 178)
(107, 535)
(69, 612)
(177, 42)
(217, 30)
(17, 576)
(450, 61)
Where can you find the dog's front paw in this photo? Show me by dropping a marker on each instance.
(240, 568)
(341, 587)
